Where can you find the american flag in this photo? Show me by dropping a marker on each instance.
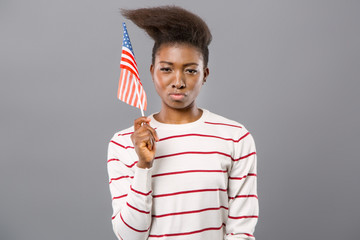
(130, 88)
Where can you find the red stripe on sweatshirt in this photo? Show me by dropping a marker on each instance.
(118, 178)
(224, 124)
(204, 135)
(119, 236)
(190, 191)
(241, 217)
(136, 230)
(131, 165)
(113, 159)
(126, 147)
(127, 165)
(117, 197)
(128, 133)
(124, 134)
(188, 171)
(195, 152)
(243, 196)
(141, 193)
(247, 234)
(246, 156)
(186, 233)
(239, 178)
(189, 212)
(137, 209)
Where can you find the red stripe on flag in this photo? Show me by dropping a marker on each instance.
(130, 70)
(132, 93)
(125, 84)
(127, 53)
(128, 88)
(120, 81)
(125, 60)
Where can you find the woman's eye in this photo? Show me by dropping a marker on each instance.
(191, 71)
(165, 69)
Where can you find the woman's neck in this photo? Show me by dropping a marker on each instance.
(178, 116)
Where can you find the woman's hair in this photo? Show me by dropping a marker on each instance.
(171, 25)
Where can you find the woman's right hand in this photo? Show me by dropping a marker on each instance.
(144, 138)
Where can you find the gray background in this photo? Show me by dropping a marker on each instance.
(287, 70)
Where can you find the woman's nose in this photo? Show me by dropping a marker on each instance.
(179, 81)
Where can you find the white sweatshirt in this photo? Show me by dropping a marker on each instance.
(202, 185)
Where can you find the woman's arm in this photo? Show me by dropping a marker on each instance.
(242, 191)
(130, 185)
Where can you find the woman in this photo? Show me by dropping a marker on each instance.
(184, 172)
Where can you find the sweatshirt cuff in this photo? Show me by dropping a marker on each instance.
(142, 179)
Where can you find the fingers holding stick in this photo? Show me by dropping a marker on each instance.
(144, 139)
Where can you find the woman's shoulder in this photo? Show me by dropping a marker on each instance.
(222, 122)
(123, 135)
(226, 127)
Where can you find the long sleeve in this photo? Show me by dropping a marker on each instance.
(130, 189)
(242, 190)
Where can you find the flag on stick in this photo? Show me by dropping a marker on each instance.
(130, 89)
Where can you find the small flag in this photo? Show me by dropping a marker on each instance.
(130, 88)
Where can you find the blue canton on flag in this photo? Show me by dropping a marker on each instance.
(126, 40)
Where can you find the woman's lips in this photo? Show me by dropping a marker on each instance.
(177, 96)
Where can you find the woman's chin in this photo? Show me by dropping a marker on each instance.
(179, 105)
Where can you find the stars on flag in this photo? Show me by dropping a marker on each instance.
(126, 40)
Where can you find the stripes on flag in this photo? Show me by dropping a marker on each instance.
(130, 89)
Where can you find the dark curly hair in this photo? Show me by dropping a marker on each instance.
(171, 25)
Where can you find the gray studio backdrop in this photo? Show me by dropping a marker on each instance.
(287, 70)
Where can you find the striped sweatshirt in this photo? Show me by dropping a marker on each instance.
(202, 185)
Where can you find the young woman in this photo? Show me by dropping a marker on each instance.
(184, 172)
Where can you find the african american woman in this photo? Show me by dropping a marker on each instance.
(184, 172)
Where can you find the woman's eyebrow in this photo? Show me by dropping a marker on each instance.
(170, 63)
(186, 64)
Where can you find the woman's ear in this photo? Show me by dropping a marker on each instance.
(152, 71)
(206, 74)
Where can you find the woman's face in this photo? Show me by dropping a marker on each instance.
(178, 73)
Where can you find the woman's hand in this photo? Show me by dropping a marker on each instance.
(144, 138)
